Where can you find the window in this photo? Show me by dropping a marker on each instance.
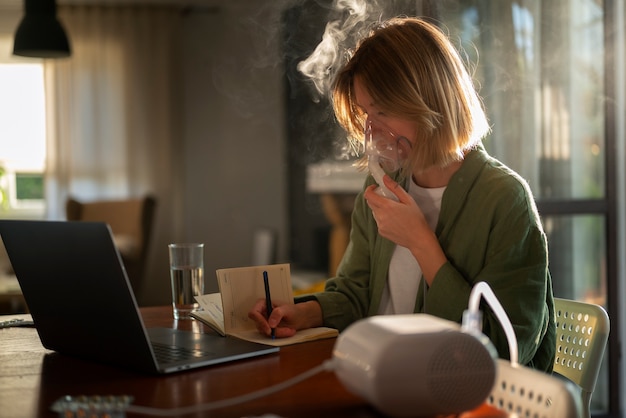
(542, 77)
(22, 139)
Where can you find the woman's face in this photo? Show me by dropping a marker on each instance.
(378, 118)
(386, 138)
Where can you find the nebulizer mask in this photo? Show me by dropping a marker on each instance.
(386, 152)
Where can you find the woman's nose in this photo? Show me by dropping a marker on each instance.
(375, 126)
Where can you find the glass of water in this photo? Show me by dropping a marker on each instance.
(187, 277)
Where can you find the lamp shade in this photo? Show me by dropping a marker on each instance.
(40, 33)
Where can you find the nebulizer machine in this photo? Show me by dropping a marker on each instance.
(385, 151)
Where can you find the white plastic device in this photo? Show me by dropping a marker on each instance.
(377, 172)
(384, 149)
(415, 365)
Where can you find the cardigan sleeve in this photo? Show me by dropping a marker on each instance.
(361, 277)
(346, 297)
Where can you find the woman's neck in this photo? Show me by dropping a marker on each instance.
(436, 176)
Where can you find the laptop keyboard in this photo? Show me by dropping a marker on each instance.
(168, 353)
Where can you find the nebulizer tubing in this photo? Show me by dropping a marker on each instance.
(373, 165)
(472, 317)
(389, 152)
(327, 365)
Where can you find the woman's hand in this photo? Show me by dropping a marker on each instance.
(403, 222)
(286, 319)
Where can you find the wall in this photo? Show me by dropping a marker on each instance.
(233, 133)
(233, 139)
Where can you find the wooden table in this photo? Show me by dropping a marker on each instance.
(33, 378)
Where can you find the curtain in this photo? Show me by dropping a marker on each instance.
(112, 116)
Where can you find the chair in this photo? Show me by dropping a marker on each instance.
(581, 335)
(526, 392)
(131, 223)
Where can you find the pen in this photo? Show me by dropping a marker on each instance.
(268, 299)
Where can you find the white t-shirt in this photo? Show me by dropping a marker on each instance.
(404, 272)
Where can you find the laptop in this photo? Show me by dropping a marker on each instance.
(82, 304)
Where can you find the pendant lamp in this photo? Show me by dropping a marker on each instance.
(40, 33)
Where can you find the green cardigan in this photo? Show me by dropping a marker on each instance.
(490, 230)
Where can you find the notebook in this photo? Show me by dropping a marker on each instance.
(82, 303)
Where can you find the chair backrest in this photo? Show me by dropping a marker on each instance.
(526, 392)
(581, 335)
(131, 223)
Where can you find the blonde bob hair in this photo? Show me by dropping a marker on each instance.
(413, 72)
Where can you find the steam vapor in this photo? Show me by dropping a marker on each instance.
(342, 31)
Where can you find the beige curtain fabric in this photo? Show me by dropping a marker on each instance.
(112, 113)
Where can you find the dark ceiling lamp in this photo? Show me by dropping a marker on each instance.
(40, 34)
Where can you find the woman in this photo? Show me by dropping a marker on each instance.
(459, 216)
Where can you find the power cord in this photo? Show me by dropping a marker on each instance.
(327, 365)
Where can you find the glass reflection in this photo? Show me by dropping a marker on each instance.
(540, 66)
